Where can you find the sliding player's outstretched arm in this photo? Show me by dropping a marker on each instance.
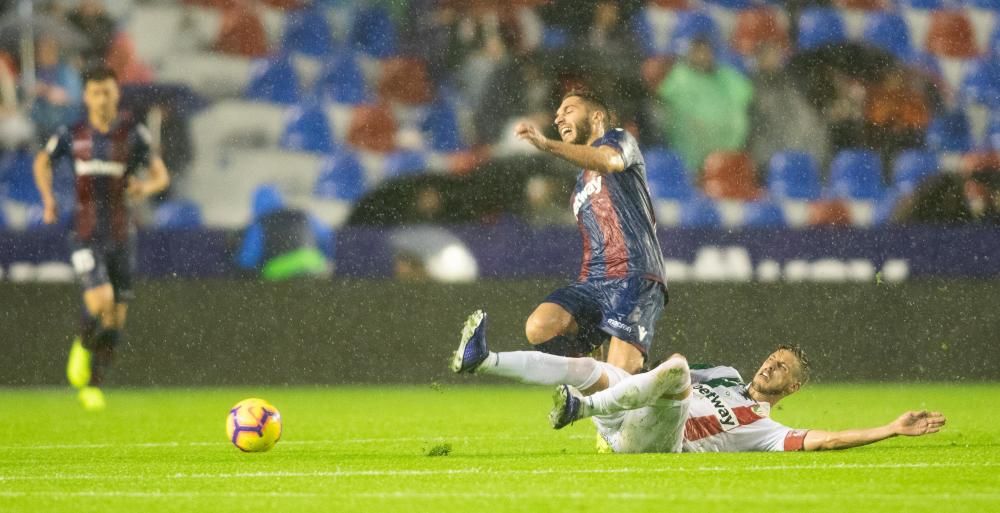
(911, 423)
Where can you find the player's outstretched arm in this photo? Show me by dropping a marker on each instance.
(603, 159)
(43, 180)
(158, 181)
(911, 423)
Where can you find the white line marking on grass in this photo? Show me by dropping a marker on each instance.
(479, 470)
(158, 494)
(384, 440)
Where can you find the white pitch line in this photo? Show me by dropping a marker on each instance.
(479, 470)
(810, 496)
(143, 445)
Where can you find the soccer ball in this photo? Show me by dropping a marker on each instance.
(253, 425)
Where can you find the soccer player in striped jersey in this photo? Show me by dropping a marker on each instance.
(107, 150)
(620, 292)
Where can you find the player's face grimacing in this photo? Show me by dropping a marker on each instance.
(779, 374)
(101, 98)
(573, 121)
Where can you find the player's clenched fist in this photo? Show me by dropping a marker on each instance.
(531, 133)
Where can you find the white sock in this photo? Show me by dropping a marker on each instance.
(537, 368)
(669, 378)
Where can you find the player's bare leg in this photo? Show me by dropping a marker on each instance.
(625, 356)
(547, 322)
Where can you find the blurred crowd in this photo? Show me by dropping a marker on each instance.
(731, 100)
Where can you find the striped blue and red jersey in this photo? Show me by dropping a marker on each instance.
(102, 165)
(615, 216)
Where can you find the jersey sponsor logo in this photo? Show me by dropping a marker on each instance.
(100, 167)
(727, 417)
(615, 323)
(593, 187)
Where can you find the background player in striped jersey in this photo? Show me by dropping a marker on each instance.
(673, 408)
(107, 150)
(620, 292)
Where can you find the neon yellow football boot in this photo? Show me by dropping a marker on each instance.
(91, 398)
(78, 366)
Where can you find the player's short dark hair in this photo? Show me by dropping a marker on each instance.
(594, 100)
(800, 355)
(98, 74)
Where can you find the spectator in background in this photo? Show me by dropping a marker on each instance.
(91, 18)
(781, 117)
(242, 32)
(845, 112)
(706, 104)
(896, 115)
(284, 242)
(16, 129)
(951, 198)
(58, 90)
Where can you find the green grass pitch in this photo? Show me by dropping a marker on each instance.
(367, 449)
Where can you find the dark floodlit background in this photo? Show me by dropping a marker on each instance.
(822, 173)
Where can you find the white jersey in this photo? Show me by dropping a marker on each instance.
(722, 417)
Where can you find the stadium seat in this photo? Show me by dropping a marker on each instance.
(307, 32)
(441, 129)
(856, 175)
(733, 5)
(666, 175)
(981, 83)
(991, 139)
(700, 212)
(925, 5)
(273, 80)
(912, 167)
(373, 128)
(756, 26)
(307, 129)
(652, 27)
(950, 34)
(403, 163)
(888, 31)
(729, 175)
(554, 38)
(793, 175)
(988, 5)
(17, 177)
(949, 132)
(884, 208)
(341, 177)
(862, 5)
(342, 81)
(177, 215)
(829, 213)
(692, 24)
(374, 33)
(763, 214)
(820, 26)
(405, 80)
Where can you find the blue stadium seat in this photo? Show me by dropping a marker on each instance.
(177, 215)
(735, 5)
(888, 31)
(666, 175)
(991, 139)
(342, 81)
(307, 32)
(763, 214)
(374, 33)
(651, 41)
(911, 168)
(700, 212)
(341, 176)
(691, 25)
(992, 5)
(307, 129)
(949, 132)
(856, 174)
(554, 38)
(404, 162)
(17, 177)
(981, 83)
(819, 26)
(273, 80)
(3, 220)
(885, 207)
(793, 175)
(441, 127)
(926, 5)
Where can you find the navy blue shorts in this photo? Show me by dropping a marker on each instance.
(625, 308)
(97, 264)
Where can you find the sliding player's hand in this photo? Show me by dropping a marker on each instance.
(916, 423)
(50, 213)
(529, 132)
(137, 189)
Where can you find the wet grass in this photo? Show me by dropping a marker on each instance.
(474, 449)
